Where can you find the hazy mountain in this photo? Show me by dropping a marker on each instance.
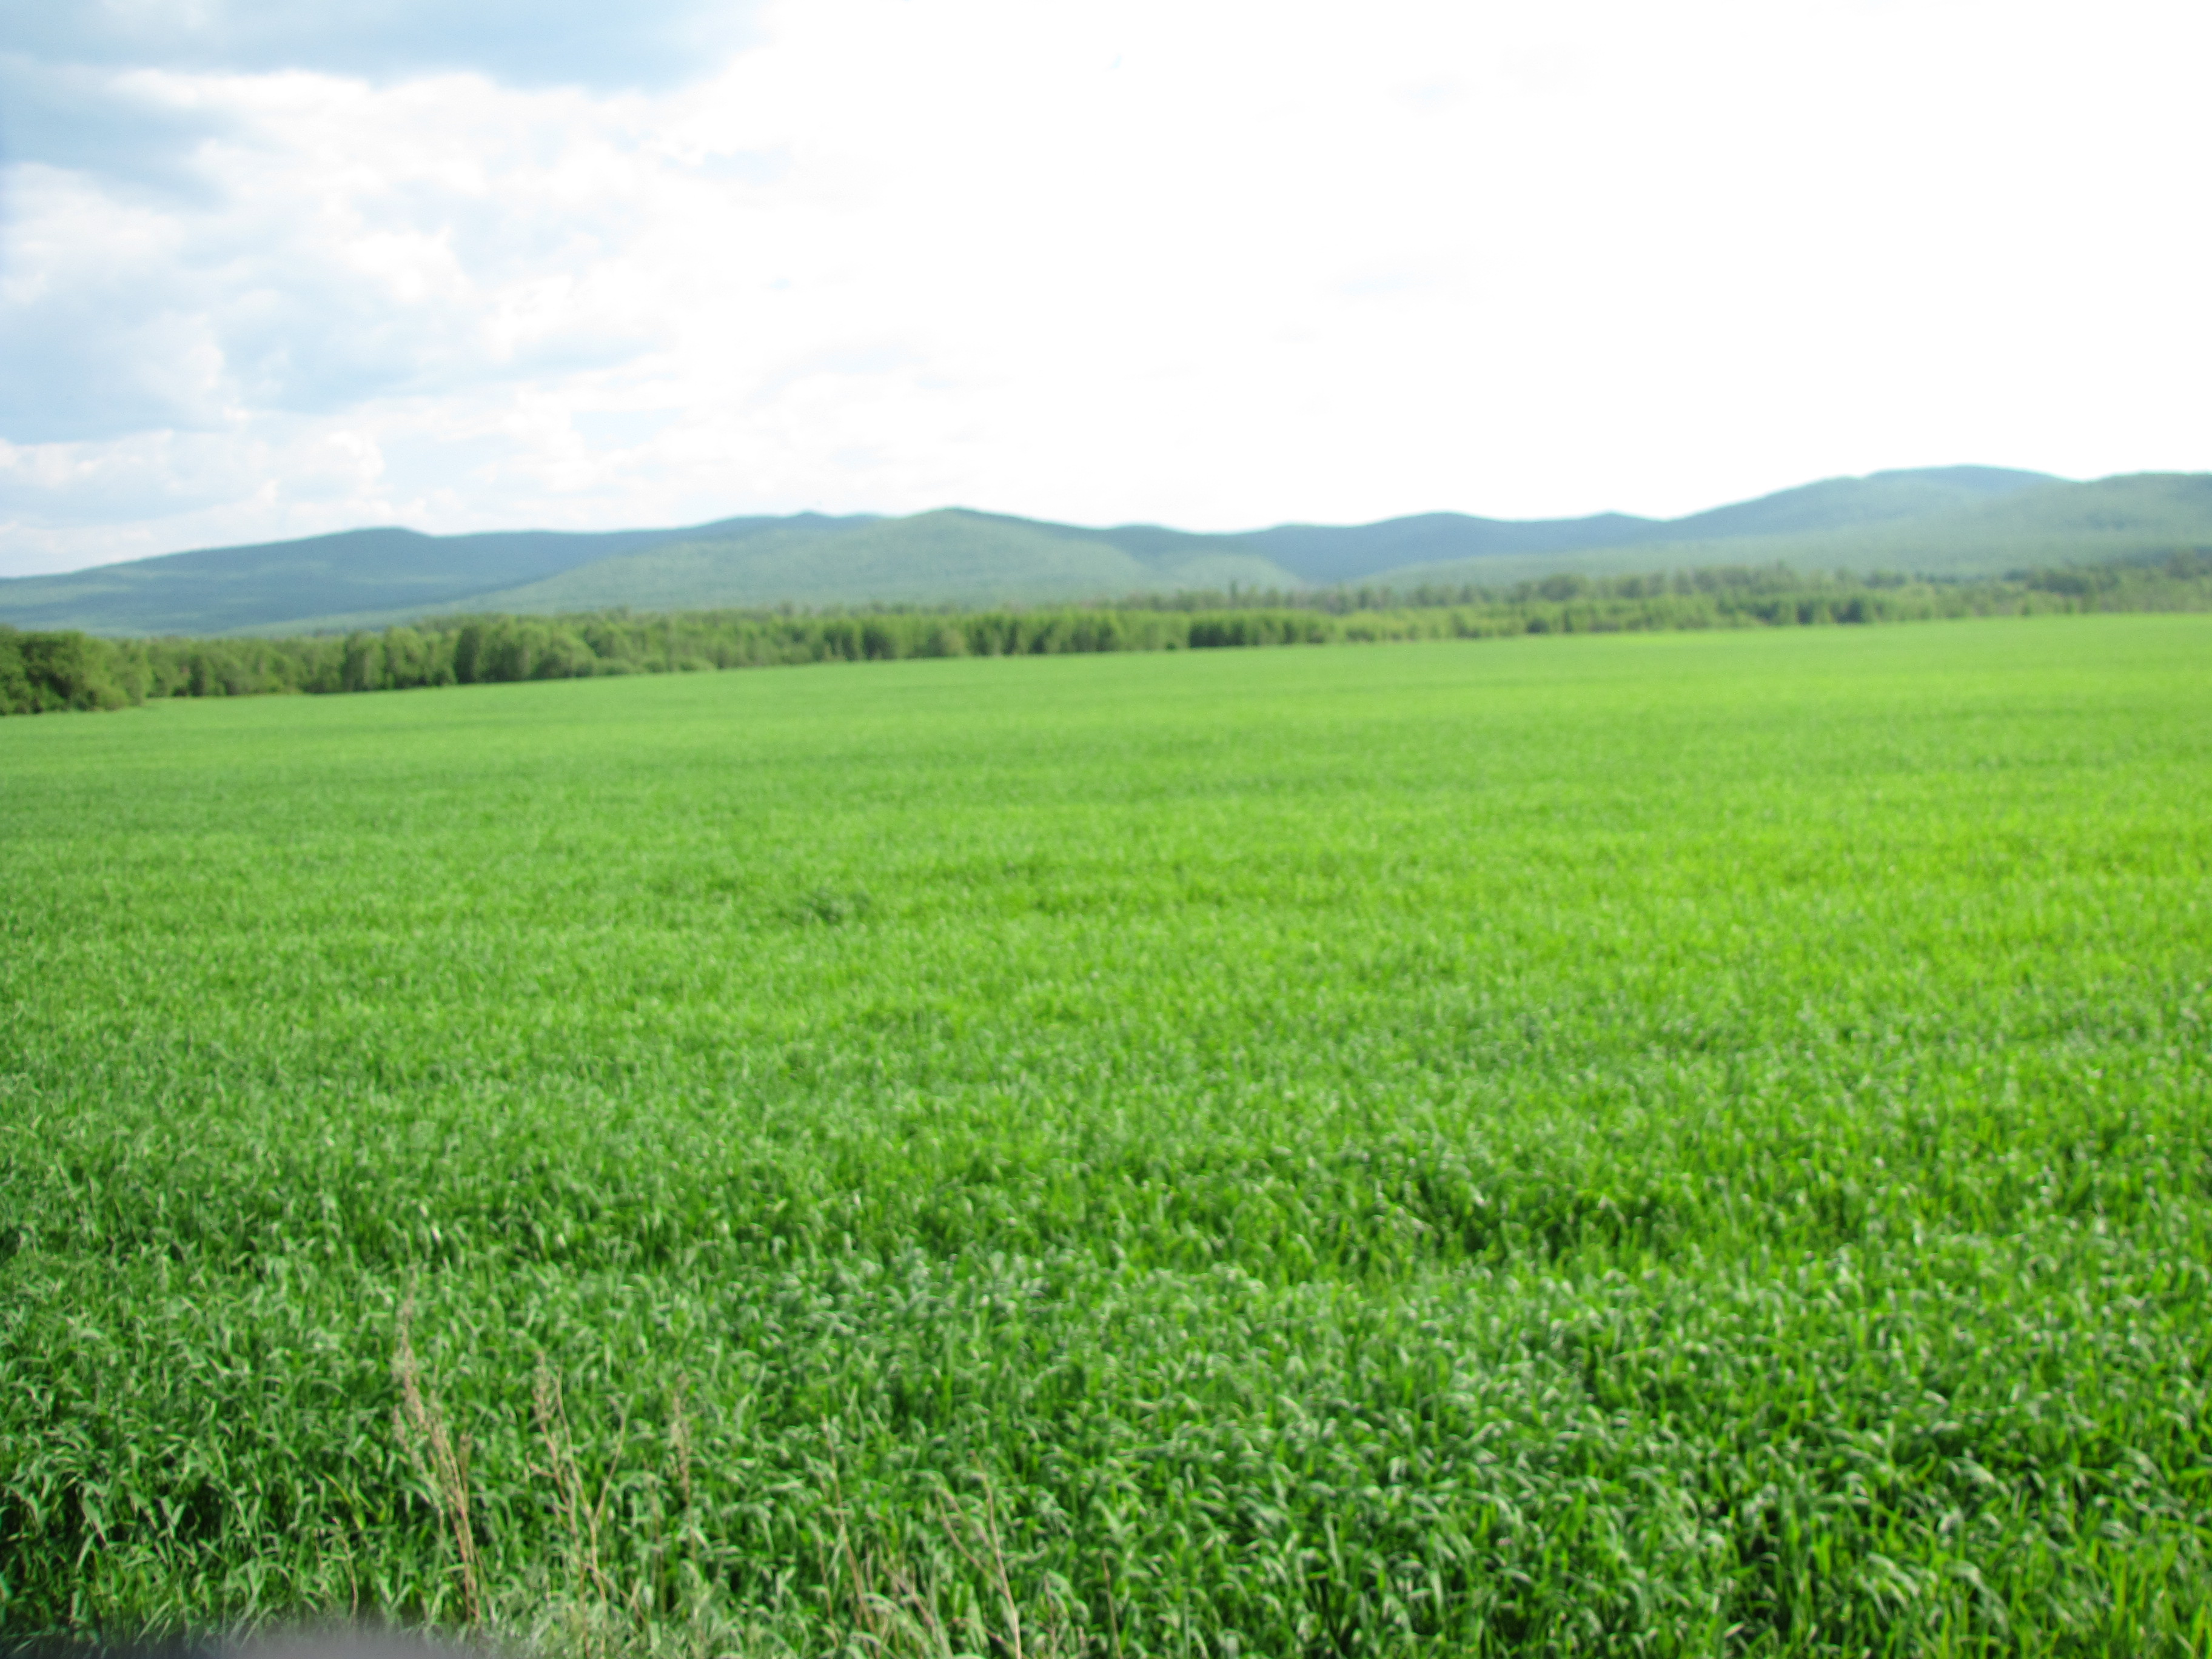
(951, 555)
(1328, 553)
(2139, 515)
(1844, 503)
(227, 589)
(1957, 521)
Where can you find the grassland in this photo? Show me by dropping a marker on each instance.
(1690, 1143)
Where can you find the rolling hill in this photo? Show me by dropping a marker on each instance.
(2141, 515)
(400, 572)
(1367, 552)
(1942, 520)
(951, 555)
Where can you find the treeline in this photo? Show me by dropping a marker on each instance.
(2168, 581)
(42, 671)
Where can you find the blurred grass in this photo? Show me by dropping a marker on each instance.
(1671, 1144)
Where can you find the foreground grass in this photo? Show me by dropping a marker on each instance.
(1674, 1144)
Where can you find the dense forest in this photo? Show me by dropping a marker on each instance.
(44, 671)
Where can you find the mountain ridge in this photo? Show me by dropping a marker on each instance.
(1956, 520)
(2130, 516)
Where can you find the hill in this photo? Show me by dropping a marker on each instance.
(1963, 520)
(1326, 554)
(2141, 515)
(952, 556)
(387, 570)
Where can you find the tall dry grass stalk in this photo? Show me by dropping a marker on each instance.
(441, 1462)
(899, 1602)
(679, 1439)
(581, 1519)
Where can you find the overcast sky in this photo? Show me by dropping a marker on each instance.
(268, 269)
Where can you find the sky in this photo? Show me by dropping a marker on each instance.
(270, 270)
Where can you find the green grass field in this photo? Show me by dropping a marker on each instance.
(1677, 1144)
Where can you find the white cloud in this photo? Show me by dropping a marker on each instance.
(1218, 265)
